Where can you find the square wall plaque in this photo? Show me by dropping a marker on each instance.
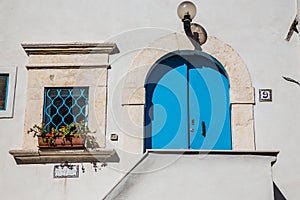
(66, 171)
(265, 95)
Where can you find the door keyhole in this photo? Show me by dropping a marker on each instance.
(193, 121)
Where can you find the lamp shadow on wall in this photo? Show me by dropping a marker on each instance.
(277, 193)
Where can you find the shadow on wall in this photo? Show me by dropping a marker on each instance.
(277, 193)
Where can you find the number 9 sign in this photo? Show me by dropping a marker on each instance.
(265, 95)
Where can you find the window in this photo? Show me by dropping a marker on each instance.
(7, 91)
(66, 83)
(3, 91)
(65, 105)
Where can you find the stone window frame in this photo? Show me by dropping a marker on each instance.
(67, 65)
(241, 91)
(10, 98)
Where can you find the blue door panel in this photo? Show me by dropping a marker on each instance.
(199, 107)
(211, 89)
(169, 127)
(187, 105)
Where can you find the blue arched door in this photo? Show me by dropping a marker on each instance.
(187, 103)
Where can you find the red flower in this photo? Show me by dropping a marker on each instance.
(49, 135)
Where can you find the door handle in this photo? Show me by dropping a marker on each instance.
(203, 129)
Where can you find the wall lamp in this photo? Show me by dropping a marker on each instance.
(186, 11)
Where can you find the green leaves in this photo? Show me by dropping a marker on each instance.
(74, 130)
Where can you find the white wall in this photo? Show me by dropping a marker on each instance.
(173, 175)
(255, 29)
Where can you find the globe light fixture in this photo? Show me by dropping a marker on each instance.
(187, 11)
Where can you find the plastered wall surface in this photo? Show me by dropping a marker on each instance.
(254, 29)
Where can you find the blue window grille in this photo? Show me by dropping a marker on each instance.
(3, 90)
(64, 106)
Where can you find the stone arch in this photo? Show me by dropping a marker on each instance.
(241, 90)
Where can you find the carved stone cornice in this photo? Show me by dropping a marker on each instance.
(69, 48)
(69, 55)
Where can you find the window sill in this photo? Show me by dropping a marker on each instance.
(61, 156)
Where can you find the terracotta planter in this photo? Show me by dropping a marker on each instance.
(59, 142)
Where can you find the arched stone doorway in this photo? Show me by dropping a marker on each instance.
(241, 91)
(187, 103)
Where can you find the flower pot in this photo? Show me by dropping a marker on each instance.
(60, 142)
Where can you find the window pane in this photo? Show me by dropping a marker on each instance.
(65, 105)
(3, 90)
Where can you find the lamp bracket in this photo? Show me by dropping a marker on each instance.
(195, 32)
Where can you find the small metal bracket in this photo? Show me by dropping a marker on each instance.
(195, 32)
(293, 28)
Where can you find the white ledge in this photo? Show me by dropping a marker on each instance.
(215, 152)
(266, 153)
(69, 48)
(61, 156)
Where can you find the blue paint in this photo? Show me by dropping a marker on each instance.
(169, 100)
(185, 88)
(65, 105)
(209, 93)
(6, 77)
(199, 108)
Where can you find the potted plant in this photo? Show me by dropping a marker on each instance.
(75, 135)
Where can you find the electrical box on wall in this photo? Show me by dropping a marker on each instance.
(114, 137)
